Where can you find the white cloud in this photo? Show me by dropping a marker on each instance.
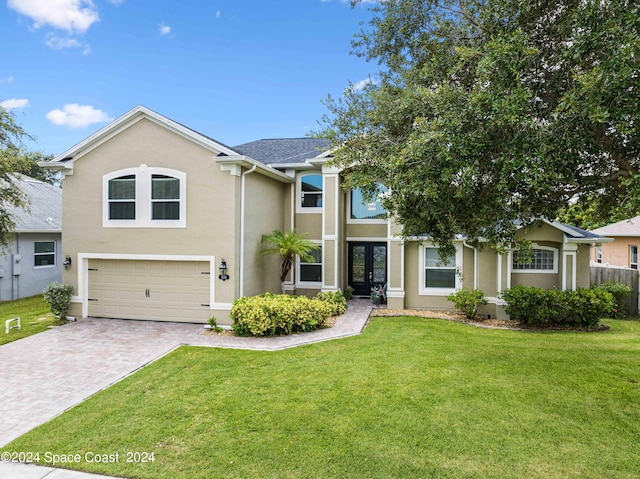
(77, 116)
(6, 81)
(14, 103)
(164, 29)
(58, 43)
(361, 84)
(74, 16)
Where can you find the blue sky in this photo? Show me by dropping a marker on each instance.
(235, 70)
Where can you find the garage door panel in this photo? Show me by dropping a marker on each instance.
(176, 290)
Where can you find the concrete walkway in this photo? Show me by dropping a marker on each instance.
(45, 374)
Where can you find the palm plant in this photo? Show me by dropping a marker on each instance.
(288, 246)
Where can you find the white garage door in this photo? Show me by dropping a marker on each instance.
(154, 290)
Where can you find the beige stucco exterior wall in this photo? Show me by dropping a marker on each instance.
(212, 204)
(264, 212)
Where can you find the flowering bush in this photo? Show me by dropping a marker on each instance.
(269, 314)
(581, 308)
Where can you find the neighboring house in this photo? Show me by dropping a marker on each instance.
(623, 251)
(153, 210)
(33, 258)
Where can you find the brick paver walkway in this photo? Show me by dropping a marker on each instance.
(45, 374)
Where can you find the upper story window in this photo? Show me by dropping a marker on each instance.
(367, 210)
(122, 198)
(144, 197)
(543, 260)
(311, 191)
(165, 197)
(44, 253)
(633, 256)
(438, 276)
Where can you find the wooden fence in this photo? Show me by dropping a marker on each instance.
(609, 274)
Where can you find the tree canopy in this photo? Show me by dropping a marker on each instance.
(486, 116)
(11, 196)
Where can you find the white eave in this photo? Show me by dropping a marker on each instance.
(234, 163)
(65, 160)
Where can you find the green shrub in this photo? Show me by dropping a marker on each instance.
(58, 296)
(468, 301)
(620, 292)
(348, 293)
(336, 299)
(581, 308)
(269, 314)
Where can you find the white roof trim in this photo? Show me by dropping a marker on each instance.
(131, 117)
(248, 162)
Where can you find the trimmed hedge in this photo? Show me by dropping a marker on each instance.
(270, 314)
(468, 301)
(620, 292)
(582, 308)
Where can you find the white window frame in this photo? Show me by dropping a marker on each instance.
(599, 254)
(54, 253)
(307, 209)
(632, 264)
(537, 271)
(310, 284)
(144, 209)
(361, 221)
(422, 289)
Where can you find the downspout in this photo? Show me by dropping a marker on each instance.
(475, 263)
(242, 210)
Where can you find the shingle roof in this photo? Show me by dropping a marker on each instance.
(580, 233)
(284, 150)
(630, 227)
(45, 208)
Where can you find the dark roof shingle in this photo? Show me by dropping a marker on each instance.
(284, 150)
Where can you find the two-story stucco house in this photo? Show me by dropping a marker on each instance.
(153, 209)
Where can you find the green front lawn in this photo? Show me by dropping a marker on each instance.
(410, 398)
(35, 317)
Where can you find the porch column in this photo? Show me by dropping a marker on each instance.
(395, 266)
(569, 274)
(330, 228)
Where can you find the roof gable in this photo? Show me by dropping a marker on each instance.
(130, 118)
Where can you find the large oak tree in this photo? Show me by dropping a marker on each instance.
(488, 114)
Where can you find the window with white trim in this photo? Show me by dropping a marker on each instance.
(599, 254)
(144, 197)
(122, 198)
(438, 276)
(633, 256)
(364, 210)
(542, 260)
(311, 271)
(44, 253)
(311, 191)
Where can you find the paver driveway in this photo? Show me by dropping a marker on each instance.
(45, 374)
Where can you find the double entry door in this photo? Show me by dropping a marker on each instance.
(367, 266)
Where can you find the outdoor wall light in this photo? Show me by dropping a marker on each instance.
(223, 270)
(67, 262)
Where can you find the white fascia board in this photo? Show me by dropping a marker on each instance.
(131, 117)
(292, 166)
(247, 162)
(588, 240)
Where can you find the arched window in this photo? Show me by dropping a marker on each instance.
(145, 197)
(311, 191)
